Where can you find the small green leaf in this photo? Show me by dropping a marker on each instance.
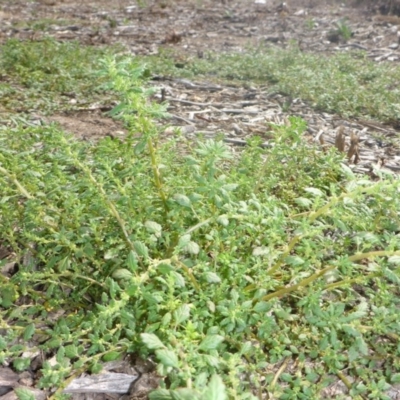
(24, 394)
(96, 368)
(167, 358)
(230, 187)
(395, 378)
(184, 394)
(246, 348)
(21, 364)
(151, 341)
(71, 351)
(212, 277)
(362, 346)
(111, 356)
(223, 220)
(314, 191)
(353, 353)
(29, 331)
(394, 259)
(60, 354)
(183, 241)
(211, 360)
(182, 313)
(79, 364)
(160, 394)
(294, 260)
(211, 342)
(122, 274)
(166, 319)
(215, 389)
(303, 202)
(153, 227)
(139, 147)
(131, 261)
(262, 306)
(347, 171)
(192, 248)
(141, 249)
(182, 200)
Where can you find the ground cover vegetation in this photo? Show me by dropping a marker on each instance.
(344, 83)
(272, 271)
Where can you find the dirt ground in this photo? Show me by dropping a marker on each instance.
(193, 27)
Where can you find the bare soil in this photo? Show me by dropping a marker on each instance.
(192, 28)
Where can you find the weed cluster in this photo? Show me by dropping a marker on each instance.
(273, 272)
(47, 75)
(346, 83)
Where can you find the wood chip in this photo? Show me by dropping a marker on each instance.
(102, 383)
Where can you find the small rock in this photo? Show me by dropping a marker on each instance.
(300, 13)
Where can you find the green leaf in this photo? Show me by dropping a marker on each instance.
(223, 220)
(8, 295)
(140, 146)
(111, 356)
(183, 241)
(60, 354)
(182, 200)
(151, 341)
(160, 394)
(96, 368)
(29, 331)
(215, 389)
(362, 346)
(166, 319)
(24, 394)
(353, 353)
(395, 378)
(167, 358)
(211, 360)
(314, 191)
(192, 248)
(79, 364)
(259, 251)
(211, 342)
(184, 394)
(212, 277)
(71, 351)
(347, 171)
(153, 227)
(131, 261)
(303, 202)
(230, 187)
(262, 306)
(141, 249)
(178, 279)
(122, 274)
(182, 313)
(294, 260)
(21, 364)
(394, 259)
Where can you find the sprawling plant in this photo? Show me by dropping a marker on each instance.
(275, 271)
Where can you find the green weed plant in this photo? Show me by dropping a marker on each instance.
(346, 83)
(274, 272)
(48, 75)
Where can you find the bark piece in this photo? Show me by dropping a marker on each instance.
(102, 383)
